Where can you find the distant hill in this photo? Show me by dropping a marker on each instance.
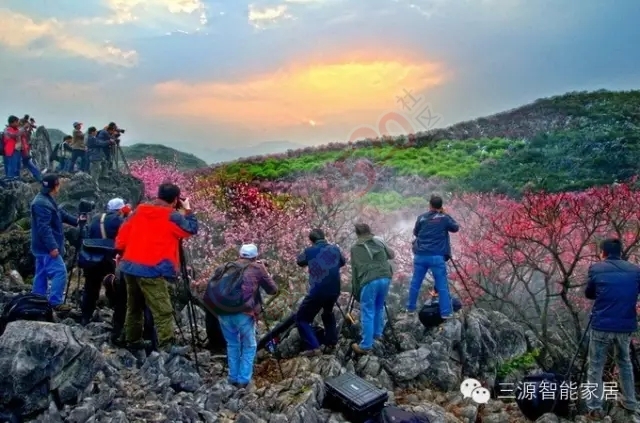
(160, 152)
(567, 142)
(271, 147)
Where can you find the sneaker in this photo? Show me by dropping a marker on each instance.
(311, 353)
(356, 348)
(62, 308)
(240, 385)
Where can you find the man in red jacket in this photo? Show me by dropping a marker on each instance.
(149, 241)
(12, 141)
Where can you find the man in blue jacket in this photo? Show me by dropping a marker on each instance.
(47, 242)
(324, 261)
(614, 285)
(432, 249)
(103, 226)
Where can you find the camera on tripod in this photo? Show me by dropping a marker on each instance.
(84, 208)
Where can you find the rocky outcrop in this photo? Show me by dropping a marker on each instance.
(15, 200)
(39, 361)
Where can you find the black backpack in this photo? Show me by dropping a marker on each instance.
(430, 313)
(224, 293)
(538, 398)
(391, 414)
(26, 307)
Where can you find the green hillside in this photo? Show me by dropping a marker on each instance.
(160, 152)
(566, 142)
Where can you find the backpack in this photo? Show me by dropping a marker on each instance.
(26, 307)
(224, 294)
(94, 251)
(55, 154)
(391, 414)
(536, 395)
(430, 313)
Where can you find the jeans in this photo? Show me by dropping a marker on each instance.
(31, 166)
(75, 155)
(438, 267)
(308, 310)
(372, 298)
(63, 165)
(54, 269)
(239, 331)
(12, 165)
(152, 293)
(598, 348)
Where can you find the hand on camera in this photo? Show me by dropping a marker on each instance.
(185, 204)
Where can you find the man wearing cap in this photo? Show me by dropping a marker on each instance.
(239, 328)
(47, 242)
(149, 241)
(103, 226)
(79, 148)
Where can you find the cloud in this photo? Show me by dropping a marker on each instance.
(259, 17)
(49, 37)
(148, 11)
(339, 91)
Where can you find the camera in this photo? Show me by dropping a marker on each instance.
(85, 207)
(121, 130)
(179, 203)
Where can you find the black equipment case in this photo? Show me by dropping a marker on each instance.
(356, 398)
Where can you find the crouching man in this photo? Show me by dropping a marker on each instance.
(149, 241)
(234, 295)
(371, 277)
(324, 261)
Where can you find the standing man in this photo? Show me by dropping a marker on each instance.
(106, 137)
(614, 285)
(12, 141)
(103, 227)
(324, 261)
(149, 241)
(432, 250)
(370, 279)
(79, 148)
(47, 242)
(96, 154)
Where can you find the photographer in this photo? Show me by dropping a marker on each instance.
(12, 142)
(324, 261)
(96, 153)
(103, 228)
(613, 284)
(106, 137)
(149, 241)
(432, 250)
(79, 148)
(47, 242)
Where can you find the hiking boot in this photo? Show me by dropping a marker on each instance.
(356, 348)
(311, 353)
(596, 415)
(62, 308)
(240, 385)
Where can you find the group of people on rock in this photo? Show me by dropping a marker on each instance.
(146, 261)
(91, 152)
(15, 141)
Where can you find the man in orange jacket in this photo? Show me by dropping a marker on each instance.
(149, 241)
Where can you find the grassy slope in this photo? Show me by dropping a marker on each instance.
(160, 152)
(566, 142)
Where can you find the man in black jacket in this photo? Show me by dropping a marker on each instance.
(324, 261)
(104, 226)
(432, 249)
(96, 154)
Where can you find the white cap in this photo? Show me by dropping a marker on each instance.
(115, 204)
(249, 251)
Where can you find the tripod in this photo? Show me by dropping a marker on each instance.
(271, 345)
(193, 328)
(74, 261)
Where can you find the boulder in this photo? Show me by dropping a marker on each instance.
(44, 361)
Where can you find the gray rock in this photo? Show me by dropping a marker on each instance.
(37, 359)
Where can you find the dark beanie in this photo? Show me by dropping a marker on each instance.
(50, 180)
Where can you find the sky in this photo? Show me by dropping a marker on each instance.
(199, 75)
